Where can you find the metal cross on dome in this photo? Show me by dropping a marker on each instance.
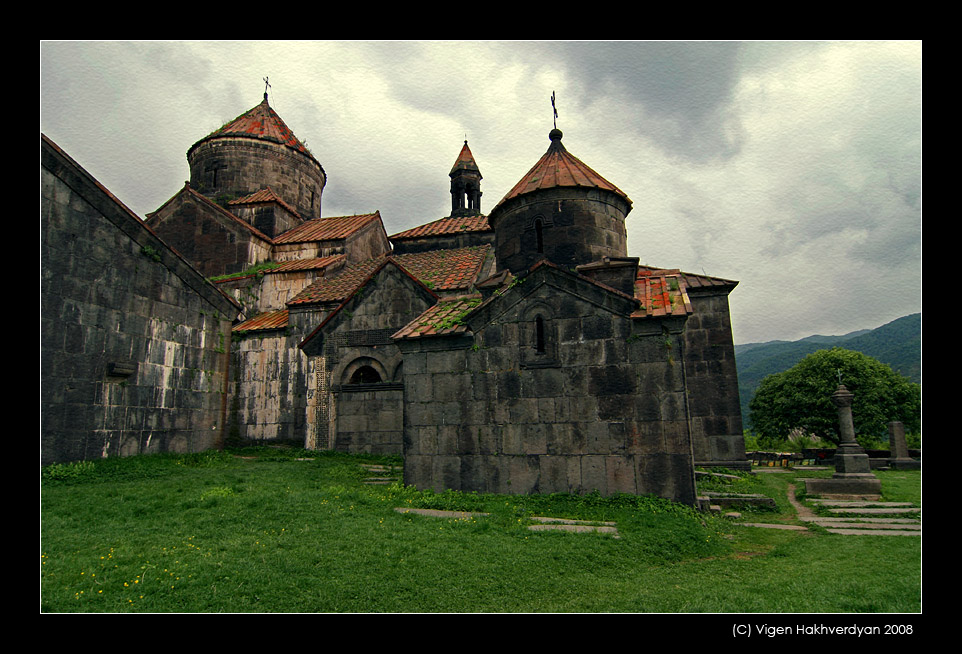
(266, 85)
(555, 110)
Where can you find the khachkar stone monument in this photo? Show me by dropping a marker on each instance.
(898, 451)
(853, 475)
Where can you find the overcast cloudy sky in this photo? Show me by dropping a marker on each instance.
(792, 167)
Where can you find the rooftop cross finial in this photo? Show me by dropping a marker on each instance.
(555, 110)
(266, 86)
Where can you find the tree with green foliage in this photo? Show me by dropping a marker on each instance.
(800, 398)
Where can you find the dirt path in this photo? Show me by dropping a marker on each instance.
(801, 510)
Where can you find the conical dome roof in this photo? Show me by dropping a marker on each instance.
(261, 122)
(558, 167)
(465, 161)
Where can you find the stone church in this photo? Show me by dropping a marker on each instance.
(520, 350)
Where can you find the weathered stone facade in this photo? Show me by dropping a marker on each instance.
(520, 352)
(363, 406)
(269, 387)
(550, 389)
(134, 342)
(214, 240)
(712, 379)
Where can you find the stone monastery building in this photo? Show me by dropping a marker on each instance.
(517, 351)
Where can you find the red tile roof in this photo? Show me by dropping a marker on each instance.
(446, 270)
(263, 123)
(268, 320)
(444, 318)
(338, 287)
(327, 229)
(692, 281)
(465, 160)
(307, 264)
(661, 293)
(264, 196)
(560, 168)
(446, 226)
(440, 270)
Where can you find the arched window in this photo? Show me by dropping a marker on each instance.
(539, 335)
(365, 375)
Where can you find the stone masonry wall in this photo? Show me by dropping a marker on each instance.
(244, 166)
(603, 410)
(269, 387)
(716, 420)
(133, 341)
(214, 244)
(578, 226)
(367, 417)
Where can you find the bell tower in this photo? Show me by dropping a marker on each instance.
(465, 185)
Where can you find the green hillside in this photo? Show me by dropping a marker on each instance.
(898, 344)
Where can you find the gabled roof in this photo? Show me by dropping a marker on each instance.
(442, 319)
(557, 167)
(213, 207)
(428, 296)
(440, 270)
(562, 279)
(447, 226)
(261, 123)
(335, 289)
(264, 196)
(446, 270)
(61, 165)
(327, 229)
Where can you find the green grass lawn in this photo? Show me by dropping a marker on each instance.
(214, 532)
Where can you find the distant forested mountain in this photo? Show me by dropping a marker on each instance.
(898, 344)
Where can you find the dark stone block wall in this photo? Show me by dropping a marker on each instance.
(370, 419)
(577, 226)
(215, 242)
(601, 408)
(351, 412)
(716, 420)
(244, 166)
(442, 242)
(269, 387)
(134, 341)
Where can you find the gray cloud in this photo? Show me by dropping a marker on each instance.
(771, 163)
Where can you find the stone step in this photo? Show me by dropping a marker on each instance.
(576, 528)
(868, 525)
(569, 521)
(857, 503)
(767, 525)
(870, 511)
(861, 519)
(436, 513)
(739, 500)
(873, 532)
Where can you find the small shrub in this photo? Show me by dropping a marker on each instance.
(63, 472)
